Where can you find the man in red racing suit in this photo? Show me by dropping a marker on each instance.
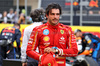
(48, 35)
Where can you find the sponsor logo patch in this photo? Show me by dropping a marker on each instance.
(47, 43)
(46, 32)
(62, 40)
(46, 38)
(49, 64)
(62, 31)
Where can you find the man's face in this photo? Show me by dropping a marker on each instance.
(53, 17)
(11, 11)
(79, 34)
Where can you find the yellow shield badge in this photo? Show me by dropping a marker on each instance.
(49, 64)
(62, 31)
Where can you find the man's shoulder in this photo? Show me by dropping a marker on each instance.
(43, 26)
(28, 27)
(64, 26)
(33, 25)
(16, 30)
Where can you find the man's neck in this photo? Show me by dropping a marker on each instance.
(52, 24)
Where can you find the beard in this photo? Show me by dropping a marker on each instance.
(53, 21)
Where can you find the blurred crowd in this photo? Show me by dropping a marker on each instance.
(12, 17)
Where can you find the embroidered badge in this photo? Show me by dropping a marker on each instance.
(46, 38)
(46, 32)
(62, 31)
(49, 64)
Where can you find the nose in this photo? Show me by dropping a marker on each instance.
(55, 16)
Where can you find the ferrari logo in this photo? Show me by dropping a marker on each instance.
(62, 31)
(49, 64)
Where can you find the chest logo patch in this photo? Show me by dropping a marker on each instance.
(62, 31)
(62, 38)
(49, 64)
(46, 32)
(46, 38)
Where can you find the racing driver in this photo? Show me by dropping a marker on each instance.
(52, 37)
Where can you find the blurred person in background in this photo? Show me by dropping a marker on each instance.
(91, 12)
(92, 42)
(52, 37)
(15, 18)
(0, 18)
(7, 37)
(10, 15)
(99, 12)
(79, 43)
(21, 19)
(4, 18)
(37, 16)
(0, 15)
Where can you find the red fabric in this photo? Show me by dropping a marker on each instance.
(46, 35)
(48, 60)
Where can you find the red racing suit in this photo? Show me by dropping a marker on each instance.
(46, 35)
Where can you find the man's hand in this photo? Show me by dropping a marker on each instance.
(48, 50)
(90, 54)
(24, 64)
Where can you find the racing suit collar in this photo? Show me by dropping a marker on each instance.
(53, 27)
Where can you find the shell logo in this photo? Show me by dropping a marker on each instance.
(46, 38)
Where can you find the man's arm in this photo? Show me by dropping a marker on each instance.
(24, 46)
(89, 43)
(32, 45)
(1, 33)
(71, 49)
(18, 36)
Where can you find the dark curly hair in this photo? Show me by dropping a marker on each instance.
(36, 15)
(53, 6)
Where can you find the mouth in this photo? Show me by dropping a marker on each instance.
(55, 20)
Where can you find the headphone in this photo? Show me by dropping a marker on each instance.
(41, 17)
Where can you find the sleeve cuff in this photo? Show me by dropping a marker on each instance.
(40, 57)
(60, 52)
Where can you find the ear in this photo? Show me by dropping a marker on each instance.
(46, 16)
